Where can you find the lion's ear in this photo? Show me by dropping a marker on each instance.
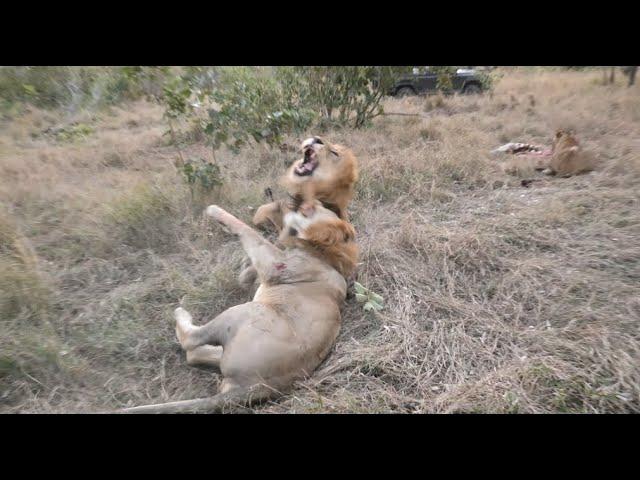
(559, 133)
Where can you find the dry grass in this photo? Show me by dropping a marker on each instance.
(499, 298)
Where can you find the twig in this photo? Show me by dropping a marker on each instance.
(406, 114)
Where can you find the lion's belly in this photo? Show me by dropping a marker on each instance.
(293, 340)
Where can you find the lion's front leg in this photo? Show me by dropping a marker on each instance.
(264, 256)
(234, 224)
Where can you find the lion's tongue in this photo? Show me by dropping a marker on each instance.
(307, 167)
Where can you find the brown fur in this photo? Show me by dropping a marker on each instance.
(332, 183)
(335, 239)
(568, 157)
(291, 324)
(332, 240)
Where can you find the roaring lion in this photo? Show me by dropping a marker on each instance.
(326, 172)
(568, 157)
(291, 324)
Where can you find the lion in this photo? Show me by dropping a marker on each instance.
(326, 172)
(291, 324)
(568, 157)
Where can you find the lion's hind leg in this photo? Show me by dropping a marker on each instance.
(205, 356)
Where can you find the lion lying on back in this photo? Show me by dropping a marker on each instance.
(291, 324)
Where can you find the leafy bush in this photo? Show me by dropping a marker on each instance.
(369, 299)
(204, 174)
(202, 178)
(445, 75)
(145, 81)
(353, 94)
(175, 96)
(41, 86)
(488, 79)
(236, 105)
(253, 105)
(76, 87)
(259, 104)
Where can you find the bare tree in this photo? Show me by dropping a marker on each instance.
(631, 73)
(609, 75)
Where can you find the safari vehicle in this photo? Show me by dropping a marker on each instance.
(424, 81)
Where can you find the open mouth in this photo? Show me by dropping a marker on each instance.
(309, 163)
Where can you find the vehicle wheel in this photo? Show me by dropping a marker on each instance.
(472, 89)
(405, 92)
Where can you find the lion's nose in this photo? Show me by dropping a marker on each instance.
(311, 141)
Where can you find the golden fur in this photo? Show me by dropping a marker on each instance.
(568, 157)
(330, 239)
(331, 182)
(291, 324)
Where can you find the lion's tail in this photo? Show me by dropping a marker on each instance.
(237, 397)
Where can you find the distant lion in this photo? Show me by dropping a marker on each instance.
(568, 157)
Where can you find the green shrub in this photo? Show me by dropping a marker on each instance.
(254, 105)
(445, 75)
(76, 87)
(202, 178)
(72, 132)
(488, 79)
(261, 105)
(349, 95)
